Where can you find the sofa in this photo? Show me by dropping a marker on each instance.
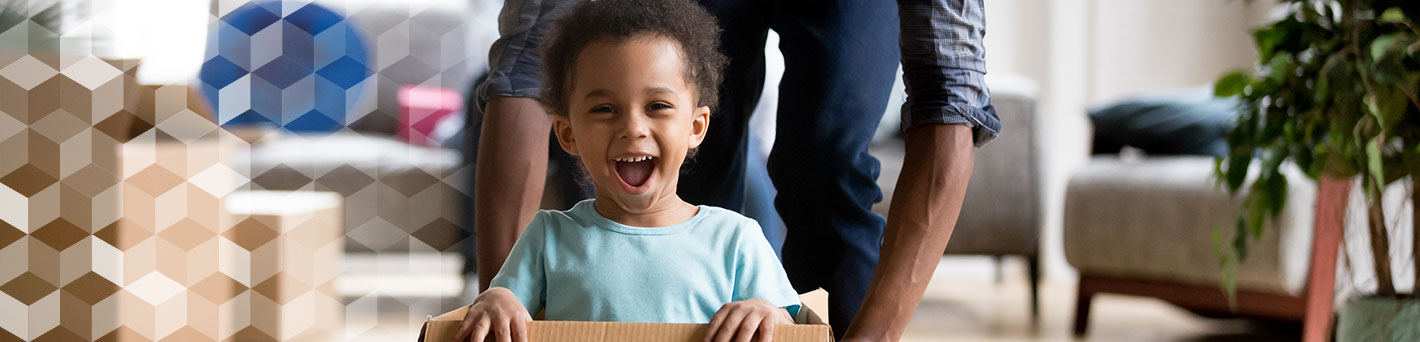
(1144, 226)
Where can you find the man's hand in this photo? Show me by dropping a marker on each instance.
(498, 313)
(741, 320)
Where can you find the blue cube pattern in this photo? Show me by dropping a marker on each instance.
(313, 83)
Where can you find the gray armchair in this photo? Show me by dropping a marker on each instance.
(1002, 214)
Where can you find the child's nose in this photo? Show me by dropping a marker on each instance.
(635, 126)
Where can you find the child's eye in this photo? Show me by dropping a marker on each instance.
(658, 106)
(602, 109)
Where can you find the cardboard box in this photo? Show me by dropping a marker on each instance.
(443, 328)
(290, 243)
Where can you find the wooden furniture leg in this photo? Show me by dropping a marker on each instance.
(1084, 295)
(1033, 267)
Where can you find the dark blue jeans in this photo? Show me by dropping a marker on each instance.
(840, 59)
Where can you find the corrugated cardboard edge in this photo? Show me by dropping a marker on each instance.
(443, 327)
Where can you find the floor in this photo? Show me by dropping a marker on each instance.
(964, 302)
(389, 297)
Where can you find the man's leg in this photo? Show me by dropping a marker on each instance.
(840, 59)
(716, 176)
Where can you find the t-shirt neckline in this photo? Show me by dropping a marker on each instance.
(588, 209)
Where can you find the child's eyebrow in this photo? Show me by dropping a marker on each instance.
(598, 92)
(607, 93)
(659, 90)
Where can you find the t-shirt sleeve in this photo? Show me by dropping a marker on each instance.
(524, 273)
(758, 272)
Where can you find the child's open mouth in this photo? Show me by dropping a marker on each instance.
(635, 171)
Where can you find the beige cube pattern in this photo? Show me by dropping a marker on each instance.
(62, 274)
(292, 242)
(110, 239)
(112, 223)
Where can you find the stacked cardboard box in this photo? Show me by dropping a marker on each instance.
(292, 242)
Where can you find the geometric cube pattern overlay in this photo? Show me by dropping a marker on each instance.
(297, 66)
(112, 223)
(292, 243)
(62, 118)
(398, 197)
(420, 44)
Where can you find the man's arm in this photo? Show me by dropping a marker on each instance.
(948, 112)
(923, 212)
(512, 152)
(511, 171)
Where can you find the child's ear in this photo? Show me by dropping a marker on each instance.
(562, 127)
(699, 125)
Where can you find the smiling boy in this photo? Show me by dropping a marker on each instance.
(630, 84)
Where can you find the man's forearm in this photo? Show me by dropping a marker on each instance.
(511, 170)
(921, 217)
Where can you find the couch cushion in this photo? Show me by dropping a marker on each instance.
(1154, 219)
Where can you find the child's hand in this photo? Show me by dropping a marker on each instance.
(740, 321)
(496, 313)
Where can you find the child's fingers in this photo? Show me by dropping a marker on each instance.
(715, 323)
(728, 327)
(465, 328)
(519, 330)
(480, 330)
(747, 327)
(501, 331)
(766, 330)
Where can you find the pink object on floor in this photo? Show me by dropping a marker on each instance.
(421, 109)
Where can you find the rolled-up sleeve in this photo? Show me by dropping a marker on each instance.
(944, 66)
(514, 60)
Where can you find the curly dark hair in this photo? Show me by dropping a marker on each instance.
(682, 21)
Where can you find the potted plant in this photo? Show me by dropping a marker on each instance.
(1334, 91)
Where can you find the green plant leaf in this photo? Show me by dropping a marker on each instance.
(1392, 15)
(1240, 240)
(1237, 170)
(1267, 40)
(1384, 44)
(1231, 84)
(1373, 160)
(1277, 193)
(1218, 246)
(1227, 264)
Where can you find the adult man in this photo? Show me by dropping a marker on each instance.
(839, 64)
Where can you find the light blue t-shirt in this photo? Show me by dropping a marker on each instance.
(581, 266)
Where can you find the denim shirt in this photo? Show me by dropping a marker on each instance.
(944, 66)
(943, 60)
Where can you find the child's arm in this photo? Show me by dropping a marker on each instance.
(743, 319)
(498, 313)
(503, 310)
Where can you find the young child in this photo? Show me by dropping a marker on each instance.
(630, 84)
